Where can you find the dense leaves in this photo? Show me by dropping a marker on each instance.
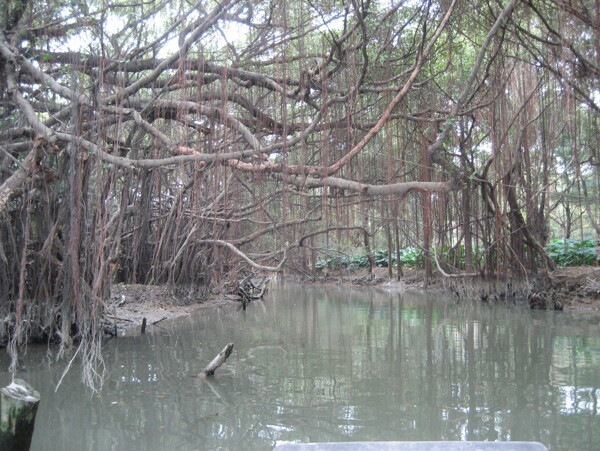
(571, 252)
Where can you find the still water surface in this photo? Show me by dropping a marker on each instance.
(334, 364)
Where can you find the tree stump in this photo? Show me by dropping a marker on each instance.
(18, 407)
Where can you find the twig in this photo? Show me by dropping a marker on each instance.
(120, 319)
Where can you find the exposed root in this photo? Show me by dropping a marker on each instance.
(501, 289)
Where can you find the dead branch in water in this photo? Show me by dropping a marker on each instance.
(249, 290)
(218, 360)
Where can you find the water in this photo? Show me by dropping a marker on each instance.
(334, 364)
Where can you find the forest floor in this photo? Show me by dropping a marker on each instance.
(576, 288)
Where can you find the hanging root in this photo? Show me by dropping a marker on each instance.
(48, 322)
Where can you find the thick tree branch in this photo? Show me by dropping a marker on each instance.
(244, 257)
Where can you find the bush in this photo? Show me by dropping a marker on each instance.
(409, 256)
(381, 258)
(570, 252)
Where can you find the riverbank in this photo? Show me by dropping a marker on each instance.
(576, 288)
(128, 305)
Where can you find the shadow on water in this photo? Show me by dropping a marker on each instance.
(334, 364)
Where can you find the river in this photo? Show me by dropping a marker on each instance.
(333, 364)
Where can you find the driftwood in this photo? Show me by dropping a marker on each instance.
(218, 360)
(18, 407)
(249, 290)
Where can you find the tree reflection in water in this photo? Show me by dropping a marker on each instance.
(335, 364)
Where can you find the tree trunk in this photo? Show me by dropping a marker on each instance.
(466, 213)
(390, 243)
(399, 272)
(426, 206)
(367, 243)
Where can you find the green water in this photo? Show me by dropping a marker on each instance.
(334, 364)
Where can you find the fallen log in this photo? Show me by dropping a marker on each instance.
(18, 407)
(218, 360)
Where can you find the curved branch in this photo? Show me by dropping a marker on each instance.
(274, 227)
(331, 229)
(13, 186)
(445, 274)
(247, 259)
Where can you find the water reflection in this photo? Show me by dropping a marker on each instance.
(333, 364)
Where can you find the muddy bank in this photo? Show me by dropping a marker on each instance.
(575, 288)
(578, 288)
(128, 305)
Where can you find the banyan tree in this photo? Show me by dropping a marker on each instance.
(195, 143)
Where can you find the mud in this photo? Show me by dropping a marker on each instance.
(128, 305)
(576, 288)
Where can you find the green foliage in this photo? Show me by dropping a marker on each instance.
(570, 252)
(351, 262)
(409, 256)
(381, 258)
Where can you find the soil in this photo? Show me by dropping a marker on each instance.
(130, 304)
(575, 288)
